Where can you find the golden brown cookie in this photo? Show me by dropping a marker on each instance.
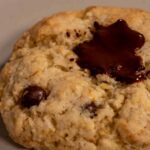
(49, 102)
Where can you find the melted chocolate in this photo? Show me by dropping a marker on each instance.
(113, 51)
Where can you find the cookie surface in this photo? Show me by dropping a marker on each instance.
(74, 111)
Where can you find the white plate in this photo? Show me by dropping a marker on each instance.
(18, 15)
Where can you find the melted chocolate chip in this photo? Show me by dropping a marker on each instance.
(113, 51)
(32, 95)
(92, 108)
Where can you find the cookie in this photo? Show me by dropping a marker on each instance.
(80, 81)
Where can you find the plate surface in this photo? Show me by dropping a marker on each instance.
(17, 16)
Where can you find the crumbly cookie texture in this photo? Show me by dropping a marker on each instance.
(80, 112)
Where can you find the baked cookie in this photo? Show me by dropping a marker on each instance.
(80, 81)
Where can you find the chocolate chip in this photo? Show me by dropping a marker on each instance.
(92, 109)
(32, 95)
(112, 51)
(68, 34)
(78, 34)
(71, 59)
